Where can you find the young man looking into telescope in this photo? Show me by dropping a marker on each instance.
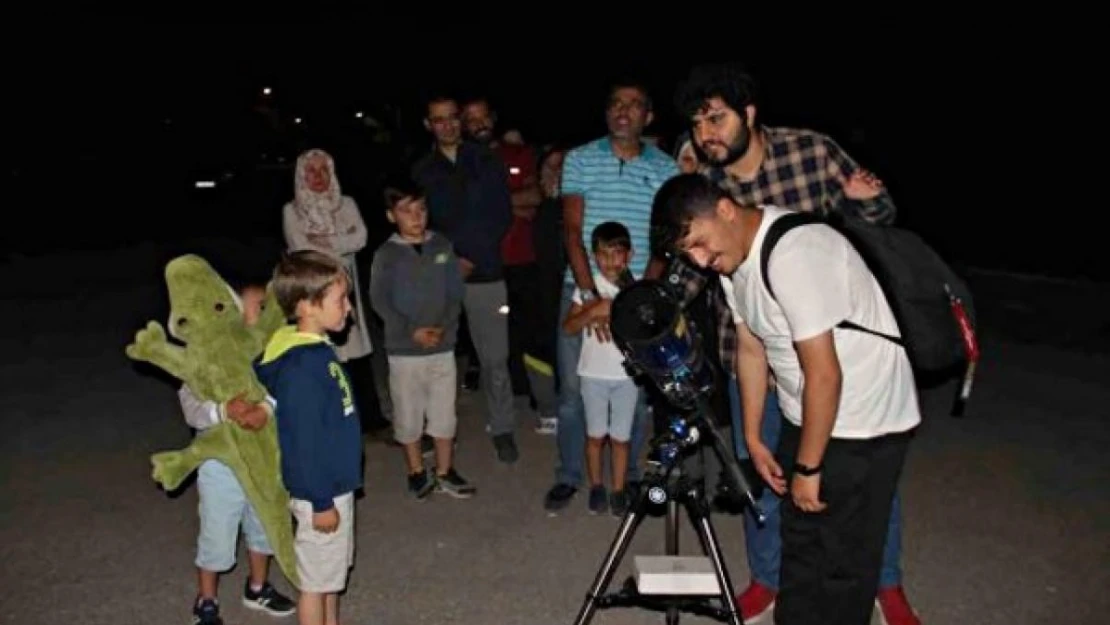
(848, 397)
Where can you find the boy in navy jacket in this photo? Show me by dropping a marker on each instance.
(318, 426)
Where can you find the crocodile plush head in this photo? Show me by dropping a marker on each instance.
(203, 307)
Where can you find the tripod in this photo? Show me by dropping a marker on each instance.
(662, 486)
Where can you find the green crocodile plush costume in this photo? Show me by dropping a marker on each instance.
(215, 363)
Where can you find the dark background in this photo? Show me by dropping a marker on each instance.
(107, 137)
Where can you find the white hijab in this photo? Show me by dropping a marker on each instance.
(316, 210)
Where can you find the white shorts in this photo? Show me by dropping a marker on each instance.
(323, 560)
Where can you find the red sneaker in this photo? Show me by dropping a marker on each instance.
(894, 608)
(755, 601)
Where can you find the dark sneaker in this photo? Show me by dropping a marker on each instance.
(268, 600)
(453, 484)
(420, 484)
(506, 448)
(472, 379)
(558, 497)
(599, 500)
(619, 502)
(207, 612)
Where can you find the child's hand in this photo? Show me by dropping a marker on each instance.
(597, 312)
(237, 406)
(252, 418)
(247, 415)
(326, 522)
(599, 318)
(427, 337)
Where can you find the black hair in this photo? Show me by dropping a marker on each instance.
(727, 81)
(677, 203)
(436, 97)
(611, 233)
(629, 82)
(475, 98)
(399, 187)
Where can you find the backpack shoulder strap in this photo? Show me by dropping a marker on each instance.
(781, 226)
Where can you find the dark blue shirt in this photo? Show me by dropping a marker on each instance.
(469, 202)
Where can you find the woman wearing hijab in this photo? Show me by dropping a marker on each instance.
(321, 218)
(685, 154)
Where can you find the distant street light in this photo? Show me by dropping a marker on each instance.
(296, 120)
(267, 91)
(358, 114)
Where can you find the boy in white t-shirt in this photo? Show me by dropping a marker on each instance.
(848, 397)
(609, 394)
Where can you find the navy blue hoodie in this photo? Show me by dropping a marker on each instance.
(317, 419)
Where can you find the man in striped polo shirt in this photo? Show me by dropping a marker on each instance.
(613, 178)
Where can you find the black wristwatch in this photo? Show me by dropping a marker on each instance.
(802, 469)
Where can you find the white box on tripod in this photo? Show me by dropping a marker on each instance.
(676, 575)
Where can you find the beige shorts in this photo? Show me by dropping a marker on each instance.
(323, 560)
(423, 391)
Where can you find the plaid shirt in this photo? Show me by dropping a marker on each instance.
(801, 170)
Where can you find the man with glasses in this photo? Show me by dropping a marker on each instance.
(613, 178)
(467, 191)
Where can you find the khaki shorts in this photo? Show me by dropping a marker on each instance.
(423, 390)
(323, 560)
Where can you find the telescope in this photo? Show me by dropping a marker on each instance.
(660, 343)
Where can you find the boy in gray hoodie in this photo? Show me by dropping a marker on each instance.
(416, 286)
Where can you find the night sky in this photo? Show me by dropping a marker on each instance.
(89, 125)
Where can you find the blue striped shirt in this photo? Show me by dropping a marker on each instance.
(616, 190)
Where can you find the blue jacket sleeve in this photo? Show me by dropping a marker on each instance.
(302, 402)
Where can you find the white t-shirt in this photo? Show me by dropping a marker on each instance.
(597, 359)
(819, 281)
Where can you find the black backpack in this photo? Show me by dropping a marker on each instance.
(918, 285)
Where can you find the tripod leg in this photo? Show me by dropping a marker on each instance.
(609, 565)
(699, 517)
(672, 548)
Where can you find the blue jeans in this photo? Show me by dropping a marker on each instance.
(224, 509)
(764, 543)
(571, 434)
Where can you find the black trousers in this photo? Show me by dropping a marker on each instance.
(831, 559)
(521, 287)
